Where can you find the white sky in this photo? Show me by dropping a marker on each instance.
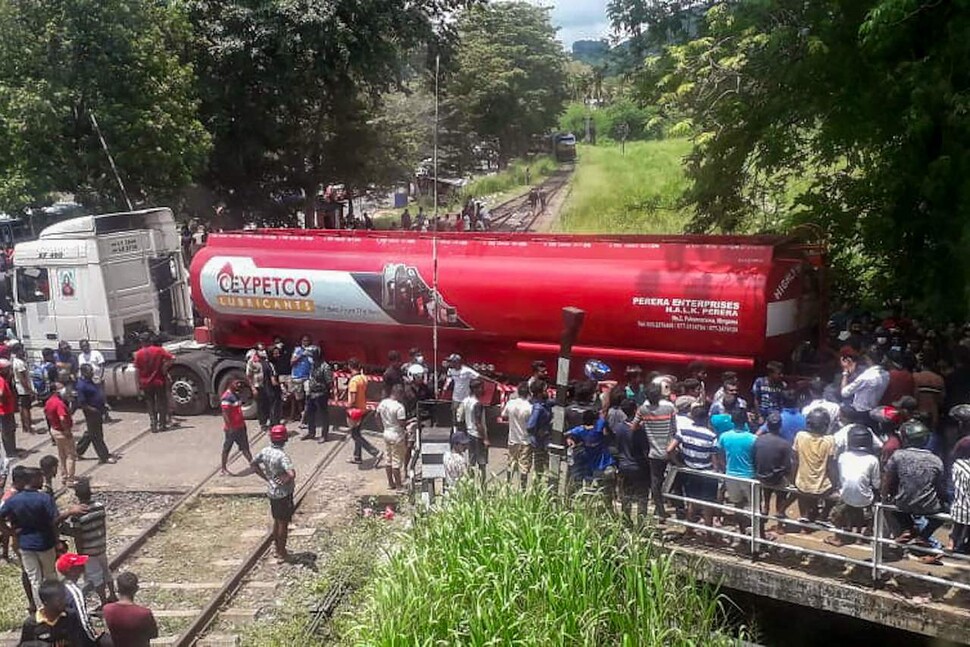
(578, 19)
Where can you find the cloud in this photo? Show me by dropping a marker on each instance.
(578, 19)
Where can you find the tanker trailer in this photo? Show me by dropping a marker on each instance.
(655, 300)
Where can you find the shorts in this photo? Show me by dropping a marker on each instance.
(477, 451)
(239, 438)
(520, 458)
(25, 401)
(297, 387)
(282, 509)
(700, 487)
(737, 493)
(96, 570)
(395, 452)
(844, 515)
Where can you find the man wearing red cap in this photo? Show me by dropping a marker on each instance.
(275, 467)
(71, 566)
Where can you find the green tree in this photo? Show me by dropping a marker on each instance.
(851, 115)
(293, 91)
(510, 81)
(60, 63)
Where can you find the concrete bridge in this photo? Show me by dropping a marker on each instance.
(872, 578)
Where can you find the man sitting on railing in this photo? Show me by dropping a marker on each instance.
(916, 482)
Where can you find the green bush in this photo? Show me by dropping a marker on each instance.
(642, 122)
(512, 177)
(513, 568)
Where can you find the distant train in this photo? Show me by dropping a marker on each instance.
(564, 147)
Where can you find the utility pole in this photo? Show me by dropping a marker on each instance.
(572, 322)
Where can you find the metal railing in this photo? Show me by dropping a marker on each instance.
(875, 562)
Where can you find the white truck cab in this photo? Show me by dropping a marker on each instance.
(103, 278)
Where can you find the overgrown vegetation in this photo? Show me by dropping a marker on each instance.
(12, 603)
(636, 193)
(518, 175)
(513, 568)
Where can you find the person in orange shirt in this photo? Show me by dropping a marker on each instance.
(357, 413)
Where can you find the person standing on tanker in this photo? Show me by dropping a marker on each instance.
(90, 399)
(472, 412)
(61, 425)
(8, 407)
(152, 363)
(24, 387)
(357, 413)
(234, 425)
(659, 422)
(275, 467)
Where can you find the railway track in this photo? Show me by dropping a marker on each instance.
(517, 215)
(185, 587)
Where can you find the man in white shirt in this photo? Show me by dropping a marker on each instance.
(473, 413)
(860, 479)
(392, 415)
(865, 391)
(24, 386)
(817, 388)
(459, 377)
(517, 411)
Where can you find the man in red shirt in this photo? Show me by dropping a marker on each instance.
(8, 405)
(235, 425)
(152, 363)
(60, 422)
(130, 624)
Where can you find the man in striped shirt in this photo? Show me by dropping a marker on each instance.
(90, 540)
(694, 446)
(658, 419)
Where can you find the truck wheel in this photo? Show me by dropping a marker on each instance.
(187, 395)
(250, 412)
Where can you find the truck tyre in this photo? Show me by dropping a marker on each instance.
(250, 412)
(186, 392)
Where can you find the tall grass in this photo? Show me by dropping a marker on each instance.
(635, 193)
(513, 177)
(511, 568)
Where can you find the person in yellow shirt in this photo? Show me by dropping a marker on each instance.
(357, 413)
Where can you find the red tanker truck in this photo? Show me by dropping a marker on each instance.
(656, 300)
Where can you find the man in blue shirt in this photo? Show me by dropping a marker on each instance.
(792, 419)
(736, 458)
(767, 390)
(591, 456)
(301, 365)
(90, 399)
(34, 517)
(539, 425)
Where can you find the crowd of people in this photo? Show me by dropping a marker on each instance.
(883, 415)
(474, 216)
(51, 569)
